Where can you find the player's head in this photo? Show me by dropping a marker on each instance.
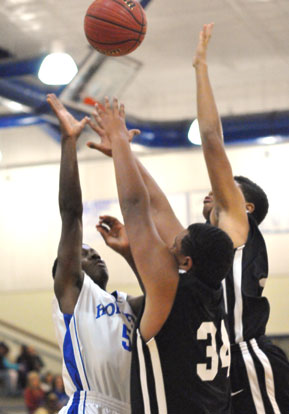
(205, 250)
(256, 199)
(92, 265)
(255, 196)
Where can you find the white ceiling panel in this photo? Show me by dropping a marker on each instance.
(248, 55)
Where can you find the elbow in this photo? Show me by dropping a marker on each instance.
(71, 209)
(212, 138)
(134, 206)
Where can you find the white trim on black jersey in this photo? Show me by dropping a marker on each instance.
(238, 308)
(254, 381)
(157, 374)
(143, 374)
(269, 378)
(253, 378)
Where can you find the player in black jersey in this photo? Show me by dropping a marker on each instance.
(259, 370)
(180, 351)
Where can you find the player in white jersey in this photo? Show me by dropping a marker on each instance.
(93, 327)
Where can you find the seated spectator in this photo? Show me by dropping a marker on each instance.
(8, 371)
(58, 389)
(51, 403)
(47, 382)
(23, 359)
(33, 394)
(41, 410)
(35, 361)
(30, 361)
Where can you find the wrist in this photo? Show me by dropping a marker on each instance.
(69, 137)
(117, 135)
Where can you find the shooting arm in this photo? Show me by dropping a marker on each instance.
(230, 211)
(151, 255)
(68, 277)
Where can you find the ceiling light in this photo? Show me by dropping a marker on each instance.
(57, 69)
(194, 133)
(14, 106)
(270, 140)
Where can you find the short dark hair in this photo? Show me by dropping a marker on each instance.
(211, 250)
(254, 194)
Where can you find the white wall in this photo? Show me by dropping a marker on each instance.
(30, 224)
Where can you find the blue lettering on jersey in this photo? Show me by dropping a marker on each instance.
(113, 309)
(109, 310)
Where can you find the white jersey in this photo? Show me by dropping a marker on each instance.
(96, 346)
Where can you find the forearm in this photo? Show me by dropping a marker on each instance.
(133, 195)
(208, 116)
(158, 200)
(70, 200)
(165, 220)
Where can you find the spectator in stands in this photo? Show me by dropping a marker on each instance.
(47, 382)
(23, 359)
(33, 394)
(58, 389)
(30, 361)
(51, 403)
(8, 371)
(36, 363)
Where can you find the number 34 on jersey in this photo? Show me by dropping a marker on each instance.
(207, 332)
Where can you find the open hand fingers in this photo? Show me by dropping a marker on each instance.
(133, 133)
(100, 148)
(109, 220)
(96, 127)
(54, 103)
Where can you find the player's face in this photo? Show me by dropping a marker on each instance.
(93, 266)
(208, 205)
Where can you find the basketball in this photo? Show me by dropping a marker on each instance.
(115, 27)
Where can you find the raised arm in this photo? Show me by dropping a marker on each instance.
(156, 265)
(166, 222)
(230, 211)
(68, 277)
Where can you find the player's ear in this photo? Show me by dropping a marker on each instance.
(186, 263)
(250, 207)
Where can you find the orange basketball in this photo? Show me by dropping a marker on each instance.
(115, 27)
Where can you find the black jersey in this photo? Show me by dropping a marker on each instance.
(248, 311)
(185, 367)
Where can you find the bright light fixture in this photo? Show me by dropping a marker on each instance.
(194, 133)
(57, 69)
(270, 140)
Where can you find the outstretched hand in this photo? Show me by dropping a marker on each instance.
(204, 38)
(105, 145)
(70, 127)
(114, 234)
(108, 121)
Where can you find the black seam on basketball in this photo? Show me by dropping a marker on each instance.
(113, 43)
(126, 8)
(114, 24)
(137, 41)
(142, 18)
